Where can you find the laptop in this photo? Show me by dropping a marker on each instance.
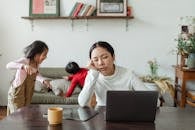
(131, 106)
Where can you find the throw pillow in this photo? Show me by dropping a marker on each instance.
(40, 87)
(61, 85)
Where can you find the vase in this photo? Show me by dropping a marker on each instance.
(151, 86)
(191, 61)
(183, 59)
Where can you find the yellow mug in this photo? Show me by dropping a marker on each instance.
(55, 127)
(55, 115)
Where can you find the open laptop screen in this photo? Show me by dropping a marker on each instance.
(131, 106)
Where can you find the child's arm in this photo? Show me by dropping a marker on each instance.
(70, 77)
(18, 64)
(71, 88)
(22, 63)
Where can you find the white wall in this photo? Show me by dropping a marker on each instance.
(151, 34)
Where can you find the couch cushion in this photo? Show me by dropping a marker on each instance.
(50, 98)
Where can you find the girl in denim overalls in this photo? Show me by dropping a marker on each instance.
(22, 87)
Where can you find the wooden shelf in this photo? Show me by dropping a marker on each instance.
(86, 18)
(77, 18)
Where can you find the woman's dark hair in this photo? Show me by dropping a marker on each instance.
(37, 47)
(72, 67)
(102, 44)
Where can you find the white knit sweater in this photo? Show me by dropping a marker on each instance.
(122, 79)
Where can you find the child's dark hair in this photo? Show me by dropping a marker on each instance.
(37, 47)
(72, 67)
(102, 44)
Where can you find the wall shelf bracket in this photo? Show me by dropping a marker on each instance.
(32, 25)
(87, 24)
(127, 24)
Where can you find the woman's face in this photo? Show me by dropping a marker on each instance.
(103, 61)
(39, 58)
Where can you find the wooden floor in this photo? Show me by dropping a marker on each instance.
(3, 112)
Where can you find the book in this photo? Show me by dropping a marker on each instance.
(78, 8)
(86, 10)
(91, 10)
(82, 10)
(73, 9)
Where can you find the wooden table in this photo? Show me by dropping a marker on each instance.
(31, 118)
(184, 75)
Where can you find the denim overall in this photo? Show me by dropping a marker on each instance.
(21, 96)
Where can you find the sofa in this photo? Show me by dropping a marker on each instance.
(43, 96)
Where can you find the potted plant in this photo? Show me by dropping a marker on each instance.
(186, 46)
(155, 82)
(153, 75)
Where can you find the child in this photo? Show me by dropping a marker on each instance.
(77, 77)
(22, 86)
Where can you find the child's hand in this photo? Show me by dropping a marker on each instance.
(47, 83)
(65, 77)
(61, 94)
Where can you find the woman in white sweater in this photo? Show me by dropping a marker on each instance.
(104, 75)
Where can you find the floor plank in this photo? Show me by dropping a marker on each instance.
(3, 112)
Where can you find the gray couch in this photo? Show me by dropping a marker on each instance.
(45, 97)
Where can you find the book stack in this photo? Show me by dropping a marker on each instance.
(80, 9)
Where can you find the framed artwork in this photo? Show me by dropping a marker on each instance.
(44, 8)
(111, 7)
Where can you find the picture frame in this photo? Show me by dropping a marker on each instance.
(45, 8)
(111, 7)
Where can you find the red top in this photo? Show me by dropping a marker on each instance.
(76, 79)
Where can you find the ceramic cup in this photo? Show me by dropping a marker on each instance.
(55, 115)
(55, 127)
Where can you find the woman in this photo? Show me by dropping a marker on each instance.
(104, 75)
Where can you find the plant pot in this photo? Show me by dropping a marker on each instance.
(191, 61)
(151, 86)
(183, 58)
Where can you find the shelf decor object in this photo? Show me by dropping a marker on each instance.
(44, 8)
(186, 42)
(111, 7)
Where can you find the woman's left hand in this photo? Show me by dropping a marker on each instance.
(91, 65)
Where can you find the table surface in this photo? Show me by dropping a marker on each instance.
(31, 118)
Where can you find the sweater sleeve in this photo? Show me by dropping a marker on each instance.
(18, 64)
(88, 87)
